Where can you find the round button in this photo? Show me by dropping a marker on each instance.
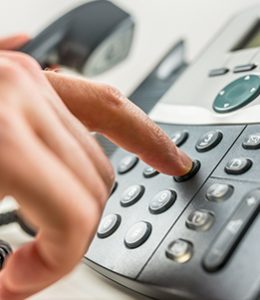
(162, 201)
(237, 166)
(252, 141)
(150, 172)
(179, 138)
(108, 225)
(200, 220)
(237, 94)
(132, 195)
(127, 164)
(218, 192)
(194, 170)
(209, 140)
(138, 234)
(180, 251)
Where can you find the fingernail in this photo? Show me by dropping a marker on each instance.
(186, 162)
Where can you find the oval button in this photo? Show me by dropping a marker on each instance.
(237, 94)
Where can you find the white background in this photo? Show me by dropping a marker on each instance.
(160, 23)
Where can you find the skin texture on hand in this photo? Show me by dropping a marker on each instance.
(54, 168)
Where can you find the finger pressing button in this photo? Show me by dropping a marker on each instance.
(194, 170)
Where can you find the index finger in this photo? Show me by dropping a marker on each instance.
(103, 109)
(13, 42)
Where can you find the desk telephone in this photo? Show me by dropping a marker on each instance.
(197, 236)
(193, 237)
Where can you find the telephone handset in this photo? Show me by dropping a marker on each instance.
(195, 237)
(90, 39)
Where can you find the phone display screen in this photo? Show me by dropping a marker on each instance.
(252, 40)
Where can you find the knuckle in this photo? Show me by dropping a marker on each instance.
(27, 61)
(8, 69)
(113, 96)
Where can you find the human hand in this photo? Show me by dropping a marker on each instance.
(54, 168)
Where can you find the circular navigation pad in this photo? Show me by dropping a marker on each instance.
(237, 94)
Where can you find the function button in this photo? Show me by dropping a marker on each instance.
(244, 68)
(218, 72)
(138, 234)
(132, 195)
(162, 201)
(127, 164)
(200, 220)
(237, 166)
(237, 94)
(218, 192)
(150, 172)
(252, 141)
(194, 170)
(209, 140)
(179, 138)
(226, 241)
(180, 251)
(108, 225)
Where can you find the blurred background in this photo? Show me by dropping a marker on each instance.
(159, 24)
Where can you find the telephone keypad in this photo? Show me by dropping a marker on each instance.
(237, 166)
(218, 192)
(180, 251)
(179, 138)
(162, 201)
(194, 170)
(209, 140)
(232, 232)
(127, 164)
(158, 236)
(252, 141)
(138, 234)
(132, 195)
(108, 225)
(150, 172)
(200, 220)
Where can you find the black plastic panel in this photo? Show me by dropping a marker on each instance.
(146, 268)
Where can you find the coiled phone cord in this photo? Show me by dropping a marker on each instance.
(5, 219)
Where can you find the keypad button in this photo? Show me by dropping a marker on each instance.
(224, 244)
(138, 234)
(218, 72)
(200, 220)
(180, 251)
(127, 164)
(209, 140)
(218, 192)
(132, 195)
(244, 68)
(237, 166)
(179, 138)
(150, 172)
(114, 188)
(108, 225)
(194, 170)
(252, 141)
(237, 94)
(162, 201)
